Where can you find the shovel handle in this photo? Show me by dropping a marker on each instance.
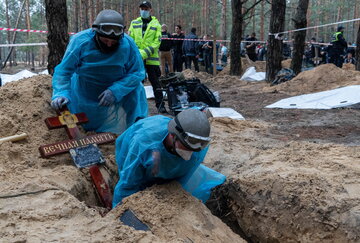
(14, 138)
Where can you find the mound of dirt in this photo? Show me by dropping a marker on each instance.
(260, 66)
(46, 200)
(285, 191)
(348, 66)
(321, 78)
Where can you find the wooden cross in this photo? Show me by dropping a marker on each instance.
(77, 140)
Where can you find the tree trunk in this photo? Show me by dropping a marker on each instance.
(193, 13)
(236, 33)
(253, 17)
(274, 52)
(300, 21)
(357, 51)
(8, 25)
(85, 14)
(223, 20)
(356, 24)
(76, 16)
(91, 6)
(14, 37)
(262, 20)
(58, 37)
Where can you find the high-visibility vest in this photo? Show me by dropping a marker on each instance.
(335, 37)
(149, 43)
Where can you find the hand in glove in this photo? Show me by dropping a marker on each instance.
(59, 102)
(107, 98)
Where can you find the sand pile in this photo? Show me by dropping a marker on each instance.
(321, 78)
(286, 191)
(44, 200)
(348, 66)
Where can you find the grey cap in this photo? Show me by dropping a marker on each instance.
(190, 121)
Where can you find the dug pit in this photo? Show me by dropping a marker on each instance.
(277, 189)
(49, 199)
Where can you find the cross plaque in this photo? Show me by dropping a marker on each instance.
(83, 149)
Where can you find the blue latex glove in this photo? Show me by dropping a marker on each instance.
(106, 98)
(59, 102)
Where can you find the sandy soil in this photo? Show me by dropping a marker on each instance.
(47, 200)
(293, 175)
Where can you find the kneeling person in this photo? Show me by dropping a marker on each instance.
(158, 149)
(101, 74)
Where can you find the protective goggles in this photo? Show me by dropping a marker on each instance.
(109, 28)
(193, 141)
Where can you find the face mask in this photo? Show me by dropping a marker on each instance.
(144, 14)
(185, 154)
(103, 47)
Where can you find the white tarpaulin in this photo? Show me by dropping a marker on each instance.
(335, 98)
(251, 75)
(224, 112)
(150, 92)
(22, 74)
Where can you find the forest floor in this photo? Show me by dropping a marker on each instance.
(292, 175)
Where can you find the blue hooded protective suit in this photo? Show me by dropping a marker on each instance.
(85, 73)
(138, 168)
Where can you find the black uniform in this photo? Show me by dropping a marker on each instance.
(337, 49)
(178, 53)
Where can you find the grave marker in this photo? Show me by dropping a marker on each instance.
(83, 149)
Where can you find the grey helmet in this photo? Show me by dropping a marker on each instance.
(192, 128)
(109, 23)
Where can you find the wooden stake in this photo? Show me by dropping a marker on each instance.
(14, 138)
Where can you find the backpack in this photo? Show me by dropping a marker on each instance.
(283, 75)
(183, 93)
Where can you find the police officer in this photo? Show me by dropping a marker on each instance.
(146, 31)
(338, 46)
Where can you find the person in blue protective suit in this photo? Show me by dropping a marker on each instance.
(101, 74)
(158, 149)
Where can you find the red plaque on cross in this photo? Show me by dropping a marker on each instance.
(78, 140)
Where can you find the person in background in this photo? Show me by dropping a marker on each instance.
(223, 53)
(177, 49)
(286, 49)
(146, 31)
(159, 149)
(251, 47)
(207, 50)
(101, 74)
(261, 53)
(338, 47)
(349, 58)
(165, 51)
(351, 48)
(191, 50)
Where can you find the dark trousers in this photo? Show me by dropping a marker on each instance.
(207, 62)
(153, 72)
(252, 56)
(336, 58)
(188, 60)
(178, 62)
